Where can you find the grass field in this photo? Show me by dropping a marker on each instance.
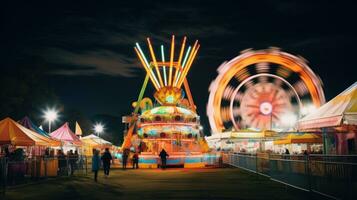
(142, 184)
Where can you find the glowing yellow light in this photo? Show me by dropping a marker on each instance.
(183, 64)
(180, 59)
(189, 63)
(171, 59)
(148, 65)
(155, 62)
(148, 70)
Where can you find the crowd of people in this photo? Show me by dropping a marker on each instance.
(71, 161)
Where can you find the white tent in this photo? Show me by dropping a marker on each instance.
(95, 139)
(340, 110)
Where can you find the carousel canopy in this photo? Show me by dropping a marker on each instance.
(14, 133)
(65, 134)
(94, 140)
(300, 139)
(340, 110)
(169, 110)
(26, 122)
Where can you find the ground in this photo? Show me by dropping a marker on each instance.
(143, 184)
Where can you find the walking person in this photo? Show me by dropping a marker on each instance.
(136, 160)
(72, 161)
(163, 155)
(106, 159)
(95, 163)
(61, 162)
(125, 157)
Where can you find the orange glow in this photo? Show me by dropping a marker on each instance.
(146, 69)
(249, 58)
(171, 59)
(188, 66)
(155, 63)
(178, 66)
(183, 68)
(189, 95)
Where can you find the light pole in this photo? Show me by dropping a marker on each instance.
(50, 115)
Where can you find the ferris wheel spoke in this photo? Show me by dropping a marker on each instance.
(276, 117)
(274, 95)
(280, 104)
(252, 106)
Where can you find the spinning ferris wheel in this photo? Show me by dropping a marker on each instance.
(264, 89)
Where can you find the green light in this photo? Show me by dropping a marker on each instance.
(186, 56)
(147, 64)
(183, 64)
(170, 99)
(163, 60)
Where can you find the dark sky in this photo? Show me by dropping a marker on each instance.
(88, 47)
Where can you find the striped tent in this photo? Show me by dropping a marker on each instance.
(340, 110)
(26, 122)
(15, 134)
(66, 135)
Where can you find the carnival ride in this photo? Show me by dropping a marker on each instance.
(263, 90)
(173, 123)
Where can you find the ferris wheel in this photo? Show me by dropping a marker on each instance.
(263, 89)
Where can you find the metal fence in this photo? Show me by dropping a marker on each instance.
(331, 176)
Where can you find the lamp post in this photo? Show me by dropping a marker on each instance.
(50, 115)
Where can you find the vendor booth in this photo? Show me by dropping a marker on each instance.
(245, 141)
(15, 136)
(91, 142)
(337, 120)
(298, 143)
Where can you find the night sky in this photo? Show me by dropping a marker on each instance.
(90, 63)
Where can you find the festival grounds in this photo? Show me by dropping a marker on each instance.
(226, 183)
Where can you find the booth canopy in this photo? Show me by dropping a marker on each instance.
(15, 134)
(65, 134)
(299, 139)
(94, 140)
(26, 122)
(340, 110)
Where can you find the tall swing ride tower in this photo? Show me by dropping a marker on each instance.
(172, 123)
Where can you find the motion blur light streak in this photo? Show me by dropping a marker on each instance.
(273, 76)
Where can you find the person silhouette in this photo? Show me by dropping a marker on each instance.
(163, 155)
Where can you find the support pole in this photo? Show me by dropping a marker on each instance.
(126, 142)
(189, 95)
(324, 139)
(141, 94)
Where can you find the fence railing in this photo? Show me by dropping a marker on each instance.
(331, 176)
(19, 172)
